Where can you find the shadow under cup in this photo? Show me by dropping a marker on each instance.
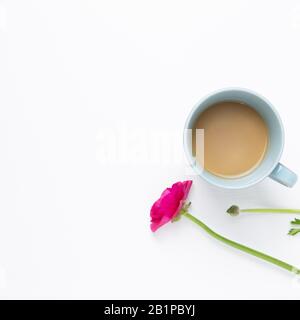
(275, 141)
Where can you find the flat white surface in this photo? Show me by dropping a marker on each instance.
(74, 74)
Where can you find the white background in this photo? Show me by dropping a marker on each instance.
(77, 76)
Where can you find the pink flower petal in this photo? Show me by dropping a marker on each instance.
(169, 204)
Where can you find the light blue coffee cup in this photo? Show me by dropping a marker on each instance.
(270, 165)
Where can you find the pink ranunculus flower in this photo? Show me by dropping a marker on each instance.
(171, 205)
(168, 206)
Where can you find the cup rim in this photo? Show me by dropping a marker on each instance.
(191, 159)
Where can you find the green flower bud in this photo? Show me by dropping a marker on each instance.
(233, 210)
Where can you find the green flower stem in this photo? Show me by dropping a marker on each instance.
(270, 210)
(235, 210)
(241, 247)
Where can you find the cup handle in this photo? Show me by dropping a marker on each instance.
(284, 175)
